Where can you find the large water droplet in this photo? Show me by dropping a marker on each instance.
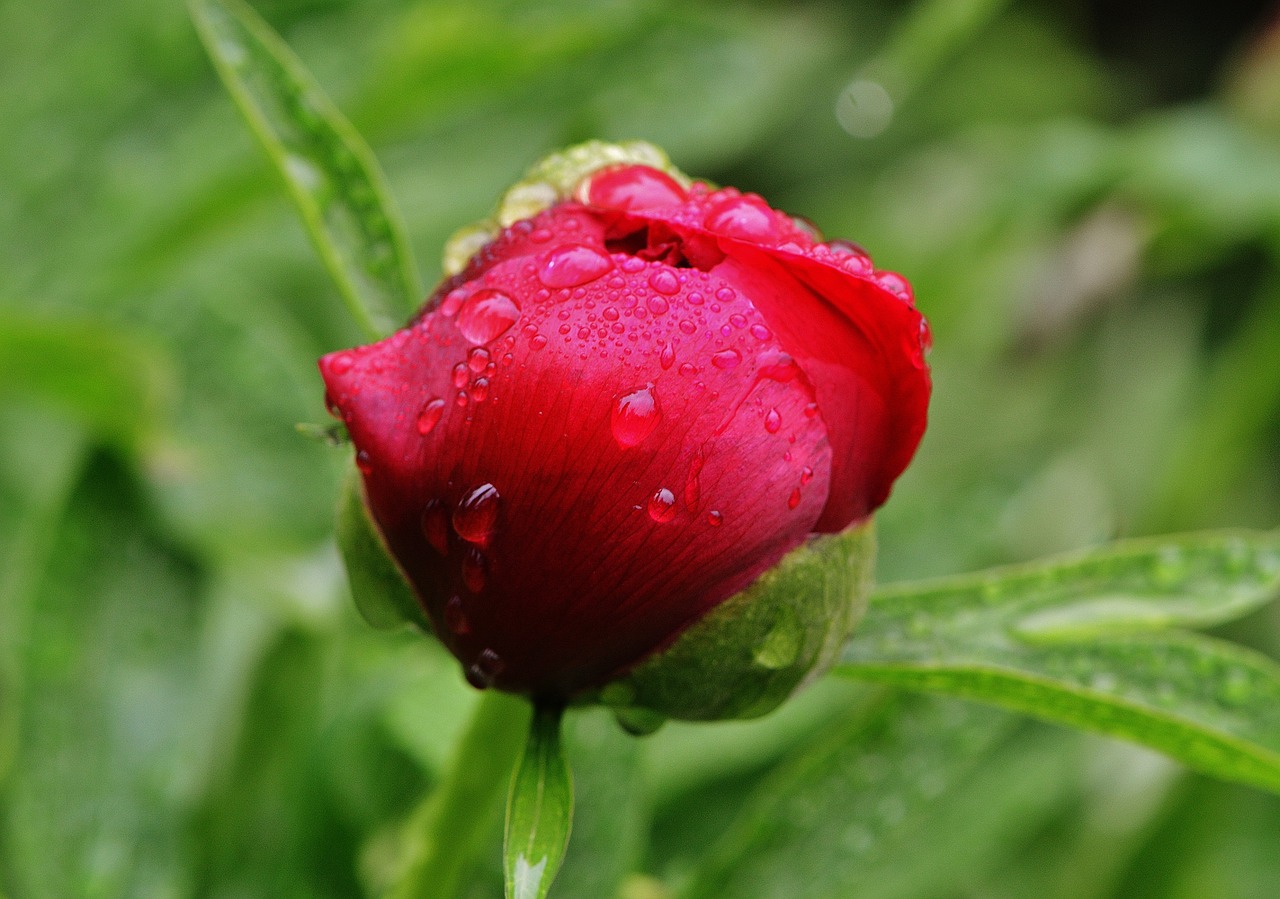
(776, 366)
(667, 357)
(748, 218)
(429, 417)
(895, 284)
(664, 281)
(485, 670)
(573, 265)
(726, 359)
(634, 187)
(635, 415)
(461, 375)
(806, 475)
(480, 390)
(657, 305)
(435, 526)
(487, 315)
(662, 505)
(772, 421)
(475, 569)
(476, 515)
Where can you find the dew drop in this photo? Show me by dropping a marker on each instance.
(634, 187)
(476, 515)
(715, 518)
(635, 414)
(454, 618)
(696, 299)
(693, 482)
(480, 390)
(667, 357)
(772, 421)
(461, 399)
(687, 326)
(485, 669)
(537, 342)
(657, 305)
(461, 374)
(452, 302)
(363, 462)
(895, 284)
(726, 295)
(435, 526)
(477, 359)
(794, 499)
(572, 265)
(806, 475)
(776, 367)
(738, 320)
(760, 332)
(610, 313)
(475, 569)
(726, 359)
(747, 218)
(810, 410)
(664, 281)
(340, 363)
(487, 315)
(662, 505)
(429, 417)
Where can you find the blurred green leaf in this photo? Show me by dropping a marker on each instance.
(539, 810)
(330, 171)
(380, 591)
(1063, 641)
(812, 826)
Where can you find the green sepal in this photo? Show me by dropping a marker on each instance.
(757, 648)
(381, 593)
(539, 810)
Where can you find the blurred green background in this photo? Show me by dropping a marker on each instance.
(1087, 199)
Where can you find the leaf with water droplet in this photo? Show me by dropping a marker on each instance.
(539, 810)
(332, 176)
(1063, 640)
(381, 594)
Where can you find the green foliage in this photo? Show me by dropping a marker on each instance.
(539, 810)
(188, 704)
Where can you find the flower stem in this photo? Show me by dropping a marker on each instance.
(452, 827)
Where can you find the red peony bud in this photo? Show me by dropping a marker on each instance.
(621, 412)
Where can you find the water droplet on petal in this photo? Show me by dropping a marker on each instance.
(635, 414)
(487, 315)
(452, 302)
(726, 359)
(573, 265)
(480, 390)
(806, 475)
(634, 187)
(454, 618)
(477, 359)
(461, 375)
(667, 357)
(810, 410)
(760, 332)
(657, 305)
(475, 569)
(747, 218)
(665, 281)
(476, 515)
(794, 499)
(429, 417)
(485, 670)
(435, 526)
(662, 505)
(340, 363)
(537, 342)
(738, 320)
(776, 367)
(715, 519)
(772, 421)
(895, 284)
(610, 313)
(726, 295)
(363, 462)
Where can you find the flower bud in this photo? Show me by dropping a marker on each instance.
(630, 447)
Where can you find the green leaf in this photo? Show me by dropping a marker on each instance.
(379, 590)
(1064, 641)
(817, 823)
(329, 169)
(539, 810)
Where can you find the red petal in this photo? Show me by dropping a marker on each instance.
(589, 549)
(854, 331)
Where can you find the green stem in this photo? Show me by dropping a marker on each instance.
(452, 827)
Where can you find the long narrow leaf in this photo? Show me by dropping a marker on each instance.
(330, 171)
(1064, 641)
